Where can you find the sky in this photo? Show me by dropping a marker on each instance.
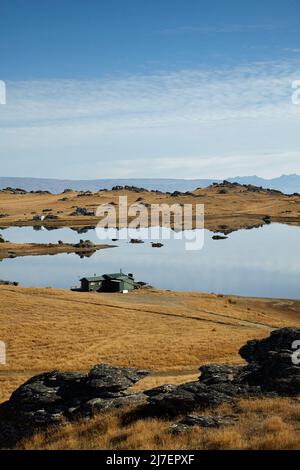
(129, 89)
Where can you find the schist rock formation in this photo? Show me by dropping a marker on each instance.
(53, 397)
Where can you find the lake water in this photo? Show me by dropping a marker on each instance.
(258, 262)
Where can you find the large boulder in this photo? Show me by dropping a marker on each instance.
(270, 371)
(208, 421)
(109, 379)
(257, 350)
(273, 363)
(216, 385)
(51, 398)
(184, 398)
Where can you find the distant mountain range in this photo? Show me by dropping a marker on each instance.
(286, 183)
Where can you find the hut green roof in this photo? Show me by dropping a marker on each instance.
(93, 279)
(107, 276)
(116, 276)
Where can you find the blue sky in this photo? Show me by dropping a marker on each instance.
(126, 88)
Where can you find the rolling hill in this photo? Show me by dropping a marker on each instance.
(286, 183)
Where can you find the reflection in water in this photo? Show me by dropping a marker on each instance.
(258, 262)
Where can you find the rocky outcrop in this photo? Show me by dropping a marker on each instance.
(8, 283)
(83, 211)
(136, 240)
(274, 363)
(83, 229)
(51, 217)
(202, 421)
(217, 384)
(52, 397)
(267, 219)
(135, 189)
(84, 244)
(48, 399)
(270, 371)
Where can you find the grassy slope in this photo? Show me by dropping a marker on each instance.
(172, 333)
(236, 209)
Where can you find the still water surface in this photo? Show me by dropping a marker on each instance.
(258, 262)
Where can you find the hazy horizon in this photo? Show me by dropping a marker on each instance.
(150, 178)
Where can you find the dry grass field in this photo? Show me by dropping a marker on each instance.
(263, 424)
(170, 333)
(233, 207)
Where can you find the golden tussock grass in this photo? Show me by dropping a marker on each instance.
(236, 208)
(262, 424)
(170, 333)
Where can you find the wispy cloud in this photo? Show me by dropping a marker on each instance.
(189, 123)
(161, 99)
(294, 50)
(223, 29)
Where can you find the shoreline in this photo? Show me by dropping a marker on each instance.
(16, 250)
(227, 207)
(213, 224)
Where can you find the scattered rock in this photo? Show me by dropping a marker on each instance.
(129, 188)
(202, 421)
(23, 191)
(244, 187)
(8, 283)
(136, 240)
(15, 190)
(84, 244)
(83, 229)
(51, 217)
(83, 211)
(142, 285)
(267, 219)
(84, 193)
(38, 217)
